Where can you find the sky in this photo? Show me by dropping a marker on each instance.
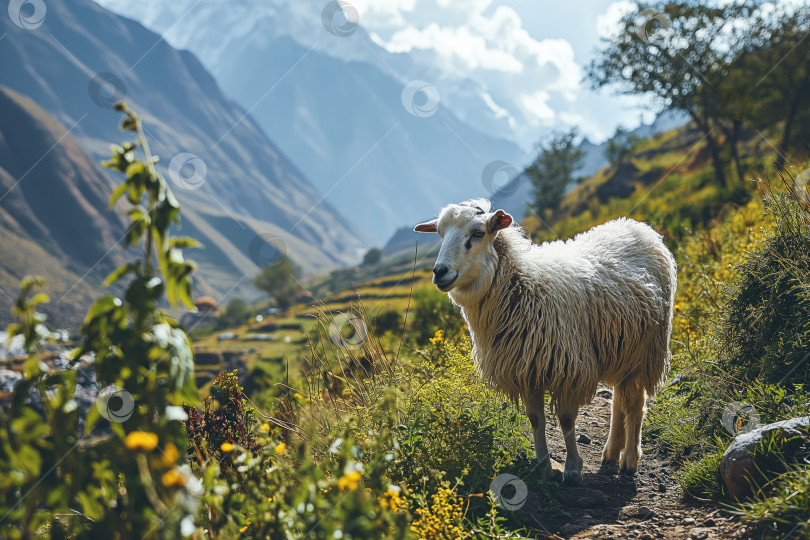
(529, 55)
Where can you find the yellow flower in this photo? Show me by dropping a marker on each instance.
(227, 447)
(298, 396)
(170, 455)
(141, 440)
(172, 478)
(437, 338)
(265, 427)
(349, 481)
(243, 529)
(280, 448)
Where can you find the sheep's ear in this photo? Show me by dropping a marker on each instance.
(428, 226)
(499, 220)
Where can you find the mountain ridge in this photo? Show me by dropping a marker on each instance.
(83, 57)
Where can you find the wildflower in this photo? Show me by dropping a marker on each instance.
(391, 499)
(243, 529)
(170, 455)
(349, 481)
(437, 338)
(280, 448)
(141, 440)
(172, 478)
(227, 447)
(265, 427)
(298, 396)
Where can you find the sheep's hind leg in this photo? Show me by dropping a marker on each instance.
(615, 442)
(535, 409)
(567, 415)
(634, 410)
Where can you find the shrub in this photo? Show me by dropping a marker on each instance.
(433, 311)
(127, 483)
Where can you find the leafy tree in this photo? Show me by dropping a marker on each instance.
(620, 146)
(236, 313)
(279, 280)
(372, 257)
(773, 85)
(554, 168)
(679, 53)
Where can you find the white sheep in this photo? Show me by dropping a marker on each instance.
(562, 316)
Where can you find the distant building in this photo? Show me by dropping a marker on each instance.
(205, 304)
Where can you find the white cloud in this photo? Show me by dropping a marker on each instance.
(608, 23)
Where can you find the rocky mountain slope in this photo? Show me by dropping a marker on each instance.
(348, 113)
(53, 211)
(242, 197)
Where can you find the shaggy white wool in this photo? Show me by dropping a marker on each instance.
(566, 315)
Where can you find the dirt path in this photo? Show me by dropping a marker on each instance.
(612, 505)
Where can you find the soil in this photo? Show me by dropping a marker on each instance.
(608, 504)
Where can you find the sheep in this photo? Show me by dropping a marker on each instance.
(562, 316)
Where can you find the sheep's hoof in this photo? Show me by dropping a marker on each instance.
(627, 467)
(572, 477)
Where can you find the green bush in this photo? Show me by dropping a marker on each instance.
(127, 484)
(767, 331)
(434, 311)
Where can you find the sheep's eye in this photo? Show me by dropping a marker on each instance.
(478, 234)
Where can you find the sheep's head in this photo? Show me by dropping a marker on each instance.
(467, 256)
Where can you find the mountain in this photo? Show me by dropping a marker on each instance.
(341, 108)
(241, 196)
(54, 220)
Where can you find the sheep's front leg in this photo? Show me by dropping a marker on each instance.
(567, 415)
(535, 409)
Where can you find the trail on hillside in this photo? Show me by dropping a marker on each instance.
(612, 505)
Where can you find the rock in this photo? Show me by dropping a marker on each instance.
(699, 533)
(709, 523)
(583, 439)
(606, 393)
(739, 467)
(689, 520)
(646, 536)
(645, 512)
(662, 488)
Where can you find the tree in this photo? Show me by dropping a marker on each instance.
(279, 280)
(553, 169)
(620, 146)
(679, 53)
(235, 314)
(775, 73)
(372, 257)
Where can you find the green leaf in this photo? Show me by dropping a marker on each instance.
(120, 272)
(184, 242)
(102, 306)
(117, 194)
